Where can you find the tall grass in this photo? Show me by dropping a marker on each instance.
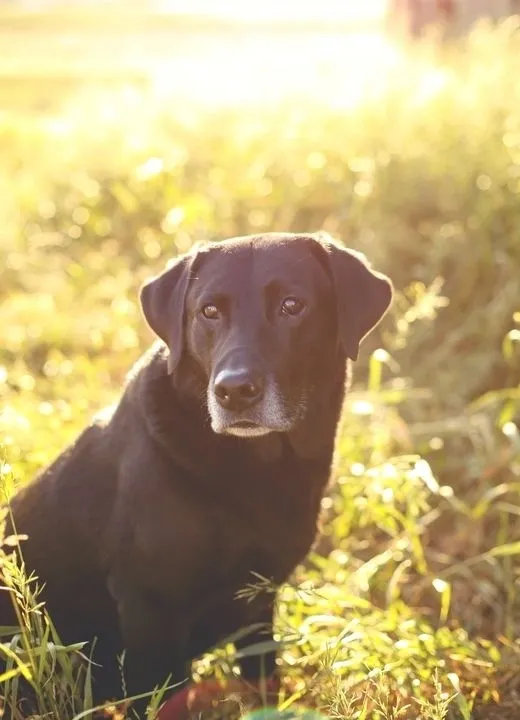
(408, 605)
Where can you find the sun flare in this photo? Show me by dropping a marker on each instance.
(334, 52)
(296, 10)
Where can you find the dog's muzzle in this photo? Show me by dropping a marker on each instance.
(244, 403)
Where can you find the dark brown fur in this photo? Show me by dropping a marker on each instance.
(145, 529)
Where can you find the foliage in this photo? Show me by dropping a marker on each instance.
(407, 607)
(37, 664)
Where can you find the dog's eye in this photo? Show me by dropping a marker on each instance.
(211, 312)
(292, 306)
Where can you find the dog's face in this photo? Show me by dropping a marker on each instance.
(264, 319)
(256, 314)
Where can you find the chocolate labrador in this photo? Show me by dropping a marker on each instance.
(213, 464)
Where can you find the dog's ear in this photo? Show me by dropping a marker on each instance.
(162, 299)
(362, 295)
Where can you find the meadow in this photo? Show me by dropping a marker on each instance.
(408, 607)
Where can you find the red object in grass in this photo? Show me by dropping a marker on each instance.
(176, 707)
(203, 696)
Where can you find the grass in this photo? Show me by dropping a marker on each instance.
(408, 605)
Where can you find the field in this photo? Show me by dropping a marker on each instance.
(408, 607)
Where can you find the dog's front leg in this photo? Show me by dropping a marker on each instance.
(155, 644)
(259, 665)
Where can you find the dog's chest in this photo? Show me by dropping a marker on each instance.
(269, 544)
(248, 518)
(265, 522)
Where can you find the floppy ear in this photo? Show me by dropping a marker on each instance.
(362, 295)
(162, 300)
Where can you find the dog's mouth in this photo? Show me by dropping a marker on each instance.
(246, 428)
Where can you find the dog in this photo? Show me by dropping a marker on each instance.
(213, 464)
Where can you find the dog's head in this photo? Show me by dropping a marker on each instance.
(264, 319)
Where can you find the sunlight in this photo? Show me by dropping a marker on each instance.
(257, 61)
(335, 69)
(296, 10)
(218, 53)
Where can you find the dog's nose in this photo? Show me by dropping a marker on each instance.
(238, 389)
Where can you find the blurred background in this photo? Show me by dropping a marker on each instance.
(130, 130)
